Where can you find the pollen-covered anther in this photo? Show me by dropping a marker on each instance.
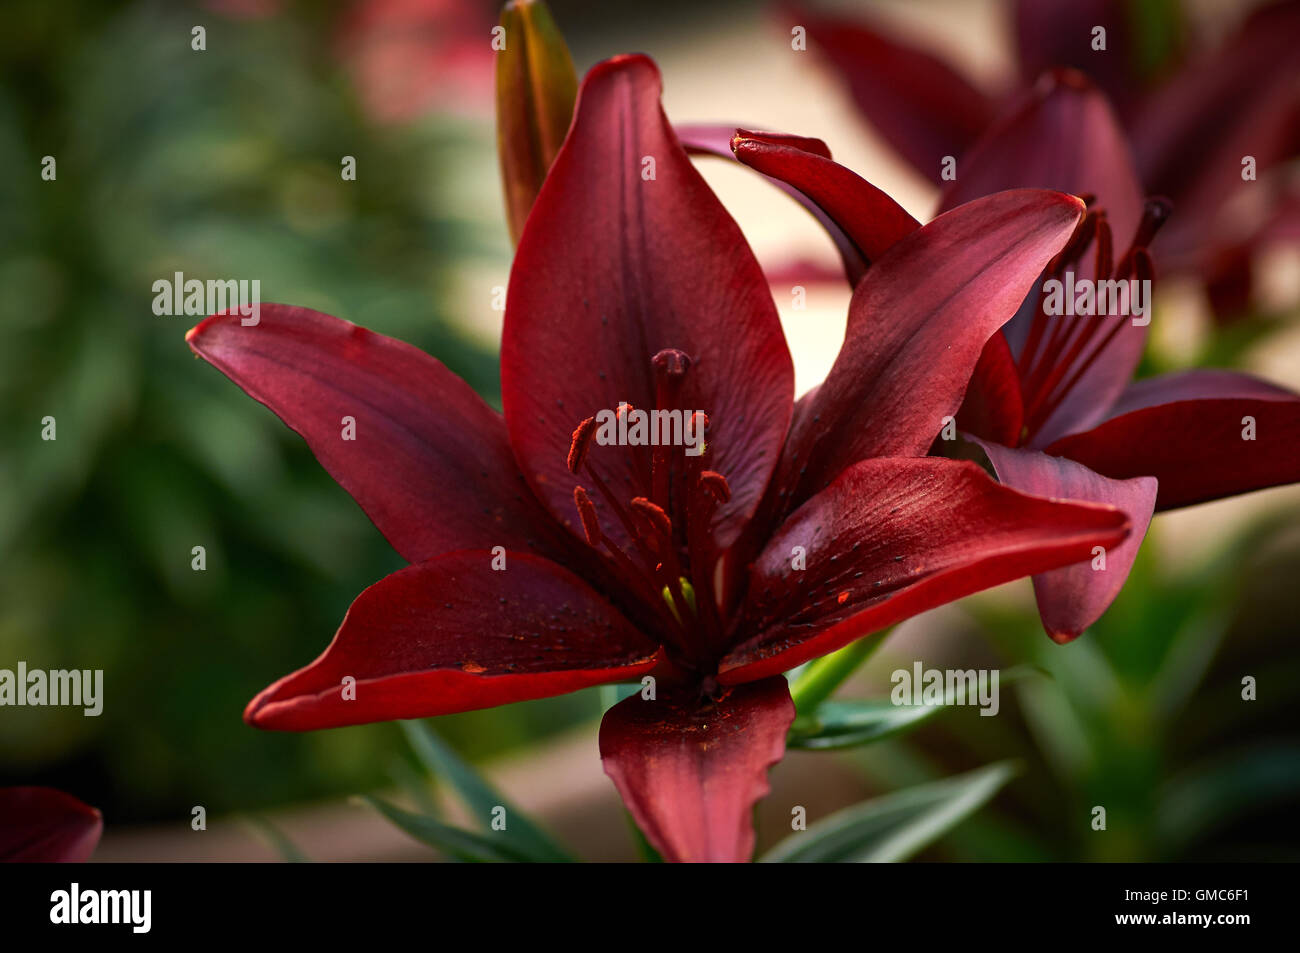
(587, 512)
(653, 514)
(716, 485)
(580, 444)
(1155, 212)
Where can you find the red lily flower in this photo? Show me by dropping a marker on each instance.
(1191, 126)
(42, 825)
(635, 288)
(1052, 400)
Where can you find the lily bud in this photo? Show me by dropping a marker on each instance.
(536, 89)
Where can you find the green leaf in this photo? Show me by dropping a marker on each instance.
(459, 844)
(414, 785)
(819, 678)
(894, 827)
(481, 798)
(1215, 793)
(849, 723)
(278, 839)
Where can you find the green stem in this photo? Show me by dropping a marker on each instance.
(822, 677)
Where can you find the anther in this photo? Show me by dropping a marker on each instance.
(654, 515)
(587, 512)
(581, 442)
(716, 484)
(1155, 212)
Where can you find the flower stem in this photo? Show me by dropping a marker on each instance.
(820, 679)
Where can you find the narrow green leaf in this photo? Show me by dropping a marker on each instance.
(1217, 792)
(480, 797)
(846, 724)
(821, 677)
(414, 785)
(456, 843)
(894, 827)
(278, 839)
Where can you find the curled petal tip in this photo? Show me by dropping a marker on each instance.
(1062, 637)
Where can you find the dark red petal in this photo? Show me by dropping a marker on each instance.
(849, 206)
(1186, 430)
(993, 407)
(430, 465)
(920, 104)
(1063, 135)
(691, 771)
(917, 325)
(716, 140)
(1193, 132)
(42, 825)
(1072, 598)
(453, 634)
(900, 536)
(1060, 134)
(613, 268)
(1052, 33)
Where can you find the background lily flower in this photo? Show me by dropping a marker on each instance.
(1191, 114)
(1052, 401)
(411, 56)
(633, 288)
(42, 825)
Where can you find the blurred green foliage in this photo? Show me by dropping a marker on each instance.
(219, 164)
(1144, 715)
(226, 164)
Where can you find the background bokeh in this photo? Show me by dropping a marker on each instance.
(225, 163)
